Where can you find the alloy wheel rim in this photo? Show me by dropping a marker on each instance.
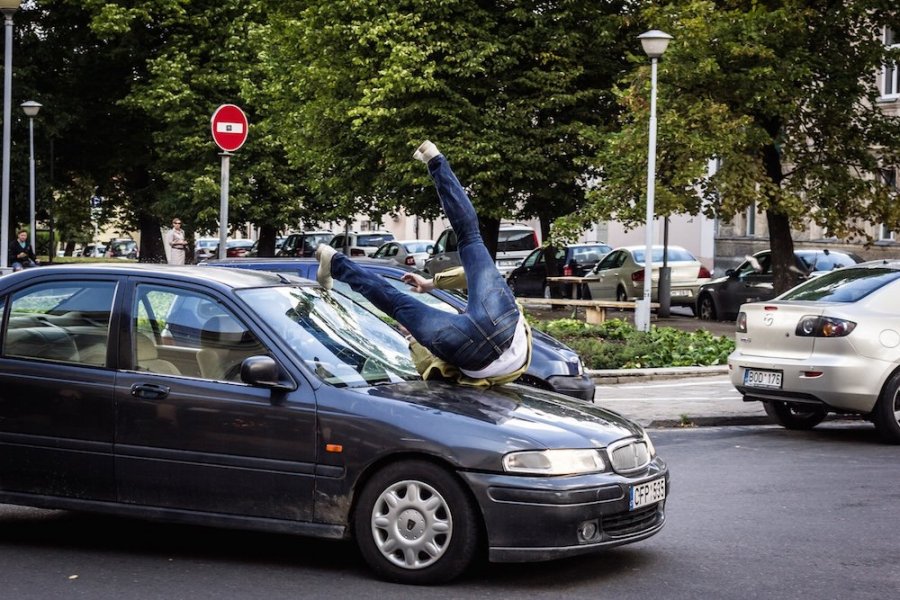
(411, 525)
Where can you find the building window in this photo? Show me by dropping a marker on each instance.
(890, 78)
(885, 234)
(751, 220)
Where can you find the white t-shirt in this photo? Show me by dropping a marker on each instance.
(511, 359)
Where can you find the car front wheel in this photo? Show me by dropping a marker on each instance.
(887, 411)
(414, 523)
(621, 296)
(795, 417)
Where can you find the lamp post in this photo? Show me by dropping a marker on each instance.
(8, 8)
(654, 43)
(31, 109)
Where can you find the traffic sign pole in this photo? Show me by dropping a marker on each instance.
(229, 131)
(223, 204)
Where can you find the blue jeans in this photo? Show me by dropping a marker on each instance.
(471, 340)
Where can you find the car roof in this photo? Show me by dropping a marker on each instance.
(234, 278)
(882, 263)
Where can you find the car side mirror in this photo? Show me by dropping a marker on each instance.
(729, 272)
(263, 371)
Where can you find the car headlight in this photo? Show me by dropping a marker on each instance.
(554, 462)
(650, 447)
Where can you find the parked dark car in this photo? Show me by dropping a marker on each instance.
(294, 410)
(753, 280)
(529, 279)
(554, 366)
(234, 248)
(304, 243)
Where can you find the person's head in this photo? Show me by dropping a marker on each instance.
(23, 235)
(176, 223)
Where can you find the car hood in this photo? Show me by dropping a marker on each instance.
(526, 417)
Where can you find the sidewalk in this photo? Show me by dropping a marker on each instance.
(693, 397)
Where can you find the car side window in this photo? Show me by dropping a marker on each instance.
(181, 332)
(532, 258)
(61, 321)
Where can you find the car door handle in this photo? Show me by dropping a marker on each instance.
(149, 391)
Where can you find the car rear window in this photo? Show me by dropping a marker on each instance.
(673, 255)
(516, 240)
(825, 261)
(846, 285)
(373, 240)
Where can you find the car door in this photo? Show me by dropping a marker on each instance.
(531, 274)
(445, 254)
(56, 389)
(604, 279)
(749, 283)
(207, 442)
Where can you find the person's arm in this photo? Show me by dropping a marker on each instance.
(451, 279)
(418, 283)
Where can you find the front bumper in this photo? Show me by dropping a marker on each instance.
(545, 518)
(847, 383)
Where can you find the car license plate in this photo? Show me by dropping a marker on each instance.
(680, 293)
(762, 379)
(648, 493)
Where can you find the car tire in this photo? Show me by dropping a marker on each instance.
(512, 286)
(706, 308)
(886, 415)
(415, 524)
(621, 296)
(792, 416)
(585, 292)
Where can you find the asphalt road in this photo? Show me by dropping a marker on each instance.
(755, 512)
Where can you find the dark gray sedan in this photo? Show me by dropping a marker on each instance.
(235, 398)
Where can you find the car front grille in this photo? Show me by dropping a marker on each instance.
(629, 456)
(633, 522)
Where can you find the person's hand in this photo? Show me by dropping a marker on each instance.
(417, 282)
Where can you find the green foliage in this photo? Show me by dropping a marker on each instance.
(616, 344)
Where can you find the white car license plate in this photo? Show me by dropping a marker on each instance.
(648, 493)
(762, 379)
(680, 293)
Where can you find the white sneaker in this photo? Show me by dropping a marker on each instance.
(324, 254)
(426, 152)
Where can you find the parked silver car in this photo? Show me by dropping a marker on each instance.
(831, 344)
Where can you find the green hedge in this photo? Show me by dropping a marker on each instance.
(616, 344)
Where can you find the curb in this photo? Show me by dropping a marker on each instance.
(607, 376)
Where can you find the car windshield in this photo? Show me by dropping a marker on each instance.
(341, 342)
(845, 285)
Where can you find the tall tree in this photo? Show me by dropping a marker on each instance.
(502, 87)
(783, 94)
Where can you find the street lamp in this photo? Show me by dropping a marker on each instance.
(654, 43)
(8, 8)
(31, 109)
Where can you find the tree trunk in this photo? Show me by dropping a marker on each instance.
(782, 246)
(780, 241)
(152, 250)
(490, 233)
(266, 243)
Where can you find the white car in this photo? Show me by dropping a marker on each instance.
(831, 344)
(620, 275)
(409, 253)
(514, 244)
(360, 244)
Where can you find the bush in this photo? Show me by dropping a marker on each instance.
(616, 344)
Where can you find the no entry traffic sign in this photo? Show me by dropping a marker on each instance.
(229, 127)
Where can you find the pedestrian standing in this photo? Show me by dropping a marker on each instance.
(177, 243)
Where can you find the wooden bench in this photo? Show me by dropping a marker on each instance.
(594, 310)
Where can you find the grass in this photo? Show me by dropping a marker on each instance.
(616, 344)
